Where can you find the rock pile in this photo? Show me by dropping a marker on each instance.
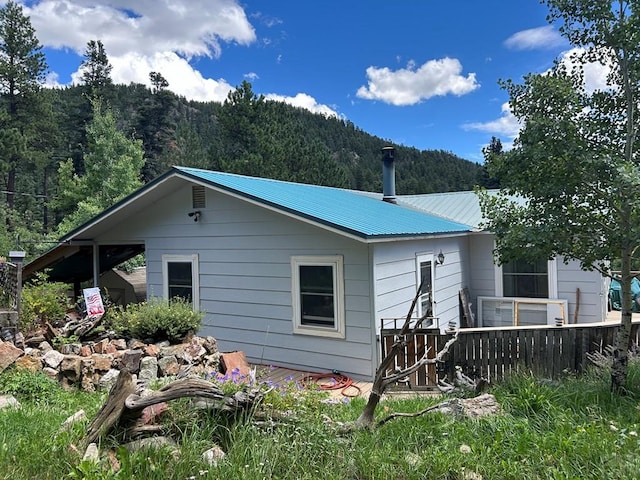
(95, 365)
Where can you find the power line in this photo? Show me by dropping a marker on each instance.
(35, 195)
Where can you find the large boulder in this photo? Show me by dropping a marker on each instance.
(8, 354)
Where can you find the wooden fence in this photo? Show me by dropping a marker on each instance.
(9, 285)
(10, 291)
(492, 353)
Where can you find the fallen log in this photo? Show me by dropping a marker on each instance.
(124, 407)
(112, 409)
(195, 387)
(476, 407)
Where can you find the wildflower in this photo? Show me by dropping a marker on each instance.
(613, 427)
(633, 433)
(412, 459)
(465, 448)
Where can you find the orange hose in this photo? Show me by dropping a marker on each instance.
(336, 382)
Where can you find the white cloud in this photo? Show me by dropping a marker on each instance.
(193, 28)
(183, 78)
(535, 38)
(506, 125)
(145, 36)
(412, 85)
(595, 74)
(305, 101)
(151, 35)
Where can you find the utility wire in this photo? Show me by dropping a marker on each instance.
(27, 194)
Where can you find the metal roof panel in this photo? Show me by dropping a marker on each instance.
(346, 210)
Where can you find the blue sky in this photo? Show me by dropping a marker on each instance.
(420, 73)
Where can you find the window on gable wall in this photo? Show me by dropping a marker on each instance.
(318, 295)
(180, 278)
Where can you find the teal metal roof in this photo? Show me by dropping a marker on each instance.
(463, 207)
(346, 210)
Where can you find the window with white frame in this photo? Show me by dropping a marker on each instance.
(180, 278)
(318, 295)
(525, 279)
(521, 278)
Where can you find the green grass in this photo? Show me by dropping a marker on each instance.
(570, 429)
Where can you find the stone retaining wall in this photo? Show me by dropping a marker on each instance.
(95, 365)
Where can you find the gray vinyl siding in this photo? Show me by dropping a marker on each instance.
(482, 281)
(593, 300)
(396, 280)
(569, 278)
(244, 253)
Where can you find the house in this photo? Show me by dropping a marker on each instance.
(303, 276)
(125, 287)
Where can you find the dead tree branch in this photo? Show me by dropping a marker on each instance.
(482, 405)
(383, 379)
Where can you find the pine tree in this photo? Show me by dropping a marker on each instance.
(22, 71)
(112, 171)
(96, 69)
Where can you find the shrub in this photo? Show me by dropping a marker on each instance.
(42, 302)
(156, 320)
(28, 385)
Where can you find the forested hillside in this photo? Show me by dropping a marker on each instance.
(66, 154)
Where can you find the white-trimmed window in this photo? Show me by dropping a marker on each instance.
(318, 295)
(180, 278)
(524, 279)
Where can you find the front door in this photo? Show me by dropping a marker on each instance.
(425, 284)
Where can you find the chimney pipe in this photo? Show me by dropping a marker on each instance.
(388, 175)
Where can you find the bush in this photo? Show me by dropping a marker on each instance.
(27, 385)
(156, 320)
(42, 302)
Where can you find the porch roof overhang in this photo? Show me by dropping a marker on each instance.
(74, 263)
(72, 259)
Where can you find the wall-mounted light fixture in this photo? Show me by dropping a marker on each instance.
(195, 215)
(440, 258)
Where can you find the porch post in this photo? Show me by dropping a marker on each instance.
(17, 258)
(96, 264)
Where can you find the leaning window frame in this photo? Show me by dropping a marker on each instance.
(337, 263)
(195, 276)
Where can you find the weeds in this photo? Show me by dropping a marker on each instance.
(569, 429)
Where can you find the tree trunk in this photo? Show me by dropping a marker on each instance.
(623, 334)
(367, 416)
(11, 187)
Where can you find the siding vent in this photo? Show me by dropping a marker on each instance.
(198, 196)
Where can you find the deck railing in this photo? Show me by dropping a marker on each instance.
(493, 353)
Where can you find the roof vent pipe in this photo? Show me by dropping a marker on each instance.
(388, 175)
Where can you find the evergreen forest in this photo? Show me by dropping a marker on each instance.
(68, 153)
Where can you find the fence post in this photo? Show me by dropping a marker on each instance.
(17, 257)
